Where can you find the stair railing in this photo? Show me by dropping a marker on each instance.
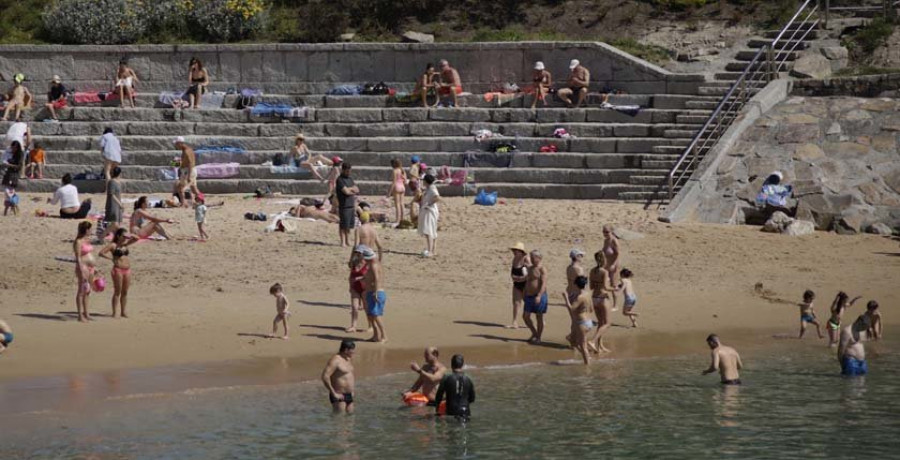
(763, 68)
(887, 7)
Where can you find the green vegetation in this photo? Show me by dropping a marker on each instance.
(650, 53)
(20, 21)
(869, 38)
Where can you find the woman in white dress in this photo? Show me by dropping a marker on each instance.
(429, 215)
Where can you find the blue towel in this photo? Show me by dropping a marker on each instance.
(345, 90)
(218, 149)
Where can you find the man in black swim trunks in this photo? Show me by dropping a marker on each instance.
(725, 360)
(338, 378)
(458, 388)
(346, 191)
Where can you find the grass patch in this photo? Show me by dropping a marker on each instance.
(869, 38)
(650, 53)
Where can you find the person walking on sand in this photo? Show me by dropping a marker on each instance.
(430, 375)
(808, 314)
(338, 378)
(611, 251)
(838, 306)
(375, 295)
(358, 270)
(601, 291)
(458, 389)
(84, 269)
(6, 336)
(627, 288)
(346, 191)
(726, 360)
(851, 353)
(518, 273)
(281, 308)
(367, 234)
(535, 297)
(580, 313)
(429, 214)
(573, 271)
(117, 251)
(187, 172)
(397, 188)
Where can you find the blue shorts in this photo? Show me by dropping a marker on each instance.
(375, 303)
(7, 338)
(853, 366)
(533, 306)
(630, 301)
(807, 318)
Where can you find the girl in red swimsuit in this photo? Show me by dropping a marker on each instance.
(358, 270)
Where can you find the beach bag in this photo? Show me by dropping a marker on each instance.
(278, 159)
(486, 199)
(249, 97)
(549, 148)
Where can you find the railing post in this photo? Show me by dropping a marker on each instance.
(769, 70)
(827, 12)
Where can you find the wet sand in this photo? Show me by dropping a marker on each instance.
(206, 302)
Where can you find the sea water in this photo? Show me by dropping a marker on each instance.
(793, 404)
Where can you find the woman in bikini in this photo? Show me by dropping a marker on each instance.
(519, 275)
(611, 252)
(358, 270)
(317, 164)
(117, 251)
(601, 290)
(426, 84)
(199, 80)
(84, 269)
(125, 80)
(398, 188)
(837, 311)
(143, 224)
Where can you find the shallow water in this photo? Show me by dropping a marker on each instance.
(793, 404)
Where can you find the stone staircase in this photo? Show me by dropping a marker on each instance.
(613, 156)
(787, 50)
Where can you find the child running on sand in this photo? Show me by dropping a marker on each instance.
(807, 314)
(281, 305)
(627, 288)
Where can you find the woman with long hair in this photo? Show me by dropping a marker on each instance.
(117, 251)
(601, 291)
(199, 79)
(143, 224)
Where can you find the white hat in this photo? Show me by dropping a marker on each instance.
(178, 139)
(574, 63)
(575, 253)
(56, 79)
(538, 65)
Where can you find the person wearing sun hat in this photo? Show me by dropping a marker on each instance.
(56, 97)
(19, 98)
(542, 80)
(579, 80)
(519, 274)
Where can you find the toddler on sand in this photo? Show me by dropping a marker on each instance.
(807, 314)
(630, 298)
(281, 306)
(200, 209)
(11, 201)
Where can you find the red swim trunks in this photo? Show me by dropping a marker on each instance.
(445, 90)
(60, 103)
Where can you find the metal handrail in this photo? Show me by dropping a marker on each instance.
(740, 92)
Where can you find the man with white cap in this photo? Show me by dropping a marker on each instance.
(187, 173)
(542, 81)
(579, 80)
(375, 295)
(573, 271)
(56, 97)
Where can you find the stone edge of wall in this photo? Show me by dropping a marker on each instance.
(683, 207)
(859, 86)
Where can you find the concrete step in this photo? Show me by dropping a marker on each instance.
(661, 196)
(781, 45)
(748, 55)
(375, 144)
(392, 129)
(496, 115)
(89, 161)
(367, 189)
(741, 66)
(794, 31)
(383, 174)
(719, 91)
(681, 133)
(705, 105)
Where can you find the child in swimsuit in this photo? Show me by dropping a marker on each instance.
(398, 188)
(837, 311)
(630, 297)
(11, 202)
(281, 306)
(807, 314)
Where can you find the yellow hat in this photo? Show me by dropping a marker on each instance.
(364, 217)
(520, 246)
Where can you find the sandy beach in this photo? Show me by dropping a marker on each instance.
(194, 302)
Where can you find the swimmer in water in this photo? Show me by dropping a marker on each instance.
(726, 360)
(339, 379)
(851, 353)
(430, 375)
(807, 314)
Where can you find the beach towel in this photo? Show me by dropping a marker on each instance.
(288, 169)
(93, 97)
(487, 159)
(265, 109)
(208, 149)
(345, 90)
(458, 177)
(217, 170)
(168, 174)
(177, 99)
(213, 100)
(630, 110)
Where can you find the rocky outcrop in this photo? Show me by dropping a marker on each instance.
(841, 154)
(784, 224)
(812, 66)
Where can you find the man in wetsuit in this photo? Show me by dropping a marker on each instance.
(726, 360)
(458, 388)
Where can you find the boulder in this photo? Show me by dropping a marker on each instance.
(777, 223)
(417, 37)
(799, 228)
(348, 37)
(812, 66)
(823, 210)
(851, 223)
(833, 53)
(879, 229)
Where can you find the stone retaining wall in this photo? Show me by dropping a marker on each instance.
(887, 85)
(314, 68)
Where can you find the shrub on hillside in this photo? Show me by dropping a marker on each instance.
(228, 20)
(100, 22)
